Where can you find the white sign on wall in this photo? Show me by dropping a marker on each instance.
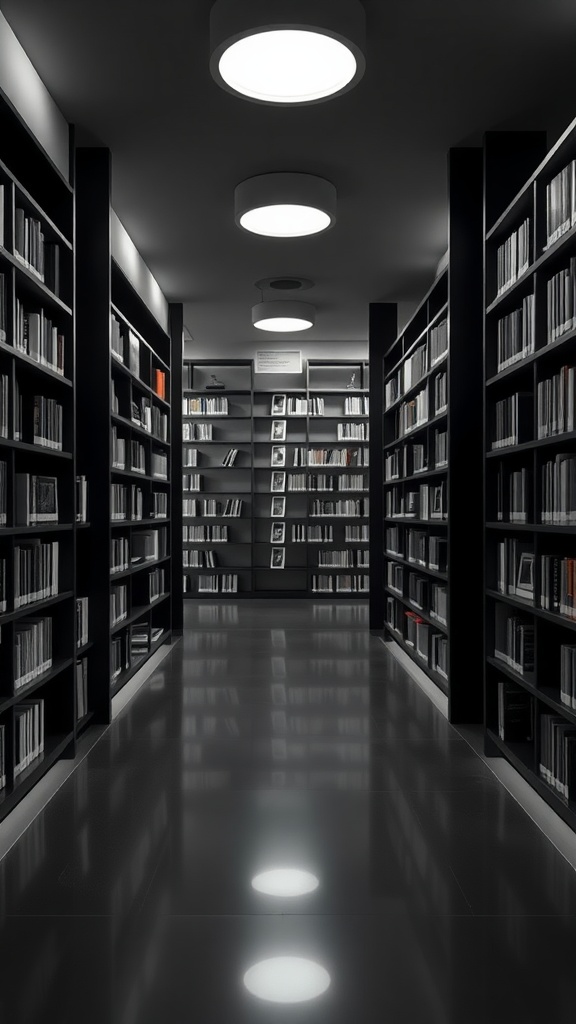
(278, 361)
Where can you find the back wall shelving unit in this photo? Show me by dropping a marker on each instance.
(275, 479)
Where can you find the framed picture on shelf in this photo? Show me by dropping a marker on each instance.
(278, 507)
(278, 482)
(278, 405)
(277, 558)
(278, 455)
(277, 533)
(278, 431)
(525, 581)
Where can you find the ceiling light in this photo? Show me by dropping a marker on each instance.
(285, 882)
(287, 52)
(283, 316)
(285, 205)
(287, 979)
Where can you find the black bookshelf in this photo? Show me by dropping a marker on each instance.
(530, 458)
(125, 422)
(294, 534)
(430, 524)
(39, 720)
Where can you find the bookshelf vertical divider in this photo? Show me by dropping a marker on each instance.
(382, 331)
(176, 327)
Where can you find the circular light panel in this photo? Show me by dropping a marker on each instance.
(287, 979)
(285, 882)
(303, 52)
(285, 221)
(288, 66)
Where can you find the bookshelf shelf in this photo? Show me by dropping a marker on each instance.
(323, 386)
(526, 721)
(427, 397)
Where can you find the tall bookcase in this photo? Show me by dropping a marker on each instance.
(431, 431)
(39, 710)
(124, 443)
(276, 468)
(530, 473)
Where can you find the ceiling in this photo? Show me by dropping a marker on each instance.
(133, 75)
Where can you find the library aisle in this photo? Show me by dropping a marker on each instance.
(283, 735)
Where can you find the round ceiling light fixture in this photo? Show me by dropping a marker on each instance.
(287, 979)
(287, 52)
(285, 205)
(283, 316)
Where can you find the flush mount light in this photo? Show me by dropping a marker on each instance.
(285, 882)
(287, 52)
(283, 316)
(287, 979)
(285, 205)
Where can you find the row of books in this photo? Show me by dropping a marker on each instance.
(230, 457)
(38, 337)
(513, 490)
(353, 432)
(516, 335)
(515, 568)
(137, 457)
(197, 432)
(418, 590)
(513, 257)
(192, 482)
(116, 339)
(81, 621)
(32, 650)
(215, 405)
(201, 534)
(513, 420)
(438, 342)
(35, 571)
(199, 559)
(556, 403)
(48, 415)
(4, 405)
(313, 534)
(331, 457)
(28, 733)
(405, 460)
(227, 583)
(558, 585)
(36, 498)
(440, 391)
(356, 405)
(149, 417)
(568, 675)
(344, 559)
(561, 302)
(349, 507)
(156, 584)
(513, 640)
(120, 554)
(421, 548)
(32, 249)
(412, 414)
(189, 457)
(326, 482)
(561, 203)
(118, 604)
(345, 584)
(557, 762)
(81, 688)
(429, 501)
(558, 499)
(211, 507)
(159, 465)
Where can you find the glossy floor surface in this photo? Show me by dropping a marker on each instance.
(282, 734)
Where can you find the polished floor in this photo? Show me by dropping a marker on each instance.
(282, 734)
